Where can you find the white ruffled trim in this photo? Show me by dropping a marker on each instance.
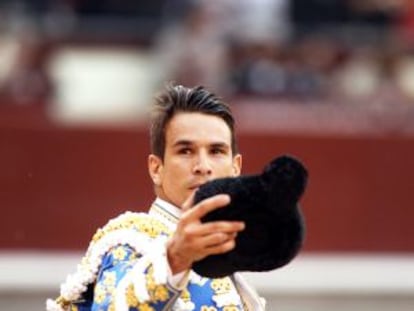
(52, 305)
(231, 298)
(153, 253)
(182, 305)
(155, 256)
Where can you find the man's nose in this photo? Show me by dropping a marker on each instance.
(202, 165)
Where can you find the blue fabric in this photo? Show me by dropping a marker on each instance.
(198, 295)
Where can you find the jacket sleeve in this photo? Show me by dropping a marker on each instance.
(125, 268)
(128, 280)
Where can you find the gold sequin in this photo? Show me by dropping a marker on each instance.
(221, 286)
(132, 301)
(100, 294)
(145, 307)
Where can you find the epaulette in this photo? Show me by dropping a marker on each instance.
(136, 230)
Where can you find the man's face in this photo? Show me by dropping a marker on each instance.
(197, 149)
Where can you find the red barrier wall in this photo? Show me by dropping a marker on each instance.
(57, 185)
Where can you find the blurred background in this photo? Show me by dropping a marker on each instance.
(331, 82)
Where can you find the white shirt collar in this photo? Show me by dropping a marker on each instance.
(165, 211)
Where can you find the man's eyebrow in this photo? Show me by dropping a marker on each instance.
(182, 142)
(220, 145)
(185, 142)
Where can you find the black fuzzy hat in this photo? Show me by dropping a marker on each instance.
(268, 204)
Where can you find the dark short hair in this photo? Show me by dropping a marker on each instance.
(177, 98)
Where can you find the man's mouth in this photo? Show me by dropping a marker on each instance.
(196, 185)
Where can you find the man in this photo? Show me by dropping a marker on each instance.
(142, 261)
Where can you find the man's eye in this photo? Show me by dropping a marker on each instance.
(217, 151)
(184, 151)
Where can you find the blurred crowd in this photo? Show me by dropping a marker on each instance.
(343, 50)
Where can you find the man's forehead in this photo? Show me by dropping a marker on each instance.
(197, 126)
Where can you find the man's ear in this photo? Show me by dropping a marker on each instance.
(237, 164)
(155, 167)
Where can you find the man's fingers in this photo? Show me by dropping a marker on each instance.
(197, 240)
(220, 226)
(216, 243)
(206, 206)
(220, 248)
(217, 239)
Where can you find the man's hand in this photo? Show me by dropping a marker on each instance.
(194, 240)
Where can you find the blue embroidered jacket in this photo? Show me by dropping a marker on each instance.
(130, 272)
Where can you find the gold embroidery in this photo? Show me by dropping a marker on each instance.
(109, 278)
(151, 227)
(100, 294)
(119, 253)
(158, 292)
(161, 293)
(225, 294)
(139, 222)
(185, 295)
(165, 214)
(145, 307)
(150, 279)
(130, 296)
(221, 286)
(206, 308)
